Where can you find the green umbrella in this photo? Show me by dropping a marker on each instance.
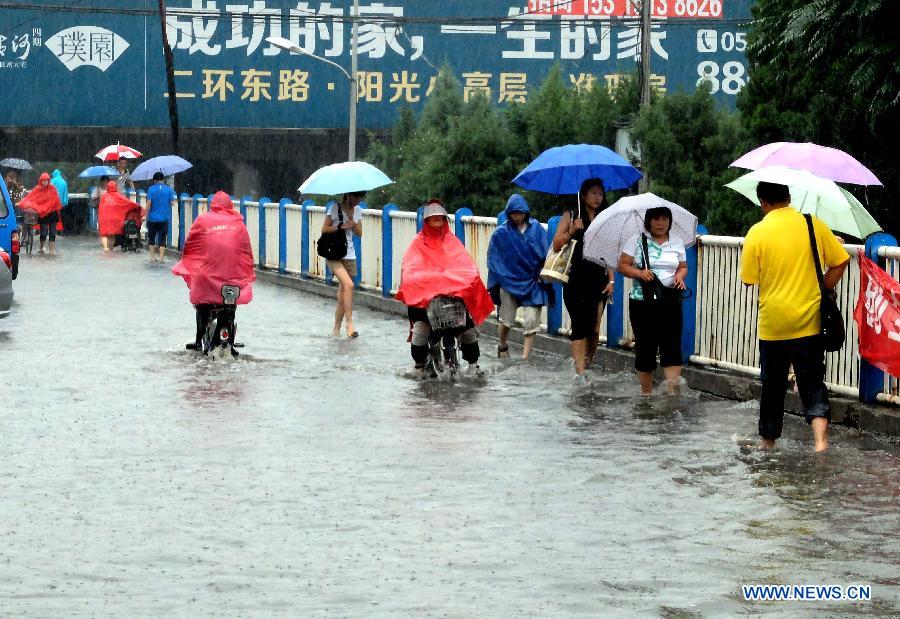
(835, 206)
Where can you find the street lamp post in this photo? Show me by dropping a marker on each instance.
(286, 44)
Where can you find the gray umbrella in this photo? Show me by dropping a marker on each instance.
(16, 164)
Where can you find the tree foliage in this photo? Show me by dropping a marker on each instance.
(826, 72)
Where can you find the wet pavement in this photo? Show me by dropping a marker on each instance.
(311, 478)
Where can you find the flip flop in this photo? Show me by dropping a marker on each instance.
(353, 335)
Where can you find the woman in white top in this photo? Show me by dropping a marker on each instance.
(344, 270)
(655, 301)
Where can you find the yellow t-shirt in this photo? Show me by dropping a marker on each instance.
(778, 257)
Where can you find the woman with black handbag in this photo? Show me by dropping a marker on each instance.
(342, 221)
(658, 264)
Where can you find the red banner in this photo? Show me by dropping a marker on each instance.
(696, 9)
(877, 315)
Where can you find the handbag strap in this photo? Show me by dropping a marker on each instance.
(646, 255)
(815, 253)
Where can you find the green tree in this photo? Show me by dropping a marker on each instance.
(549, 116)
(686, 144)
(827, 73)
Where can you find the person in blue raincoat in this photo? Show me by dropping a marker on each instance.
(516, 254)
(62, 187)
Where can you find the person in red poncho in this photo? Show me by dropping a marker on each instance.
(436, 263)
(216, 253)
(111, 214)
(44, 200)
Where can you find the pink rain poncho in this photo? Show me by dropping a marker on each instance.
(216, 253)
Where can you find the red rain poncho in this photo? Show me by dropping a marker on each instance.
(437, 263)
(114, 209)
(216, 253)
(42, 200)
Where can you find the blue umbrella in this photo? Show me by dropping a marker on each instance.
(165, 164)
(346, 177)
(562, 169)
(97, 171)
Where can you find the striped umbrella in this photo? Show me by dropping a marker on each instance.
(117, 151)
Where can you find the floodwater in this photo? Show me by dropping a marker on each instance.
(310, 478)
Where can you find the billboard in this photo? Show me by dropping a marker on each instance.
(99, 63)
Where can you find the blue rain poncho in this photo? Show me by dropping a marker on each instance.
(515, 258)
(62, 187)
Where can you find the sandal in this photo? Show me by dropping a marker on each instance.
(503, 351)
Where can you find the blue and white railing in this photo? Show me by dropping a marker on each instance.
(720, 319)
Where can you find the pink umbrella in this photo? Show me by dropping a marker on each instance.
(822, 161)
(117, 151)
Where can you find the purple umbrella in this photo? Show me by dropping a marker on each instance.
(821, 161)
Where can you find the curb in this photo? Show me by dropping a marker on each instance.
(874, 418)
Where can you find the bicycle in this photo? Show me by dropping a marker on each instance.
(26, 232)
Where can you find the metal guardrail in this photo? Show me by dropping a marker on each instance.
(720, 322)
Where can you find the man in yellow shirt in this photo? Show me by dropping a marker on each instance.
(778, 257)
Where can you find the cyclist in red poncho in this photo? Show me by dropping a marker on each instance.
(114, 208)
(44, 200)
(437, 263)
(217, 252)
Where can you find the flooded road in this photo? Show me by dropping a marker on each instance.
(310, 478)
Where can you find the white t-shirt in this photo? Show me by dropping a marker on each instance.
(357, 217)
(664, 259)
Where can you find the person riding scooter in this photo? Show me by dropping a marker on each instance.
(217, 261)
(436, 264)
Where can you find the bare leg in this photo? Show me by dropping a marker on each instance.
(673, 379)
(820, 433)
(529, 340)
(51, 246)
(578, 349)
(152, 249)
(503, 332)
(593, 342)
(767, 443)
(104, 243)
(344, 307)
(162, 253)
(646, 380)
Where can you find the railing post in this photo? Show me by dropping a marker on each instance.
(195, 207)
(420, 221)
(357, 249)
(282, 234)
(460, 225)
(142, 198)
(262, 231)
(555, 305)
(871, 379)
(169, 226)
(387, 250)
(689, 307)
(182, 232)
(242, 206)
(615, 312)
(304, 238)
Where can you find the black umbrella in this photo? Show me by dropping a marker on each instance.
(15, 164)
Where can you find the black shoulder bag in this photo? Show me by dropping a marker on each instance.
(832, 322)
(333, 245)
(654, 290)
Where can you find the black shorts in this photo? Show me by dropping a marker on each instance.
(657, 328)
(583, 296)
(156, 232)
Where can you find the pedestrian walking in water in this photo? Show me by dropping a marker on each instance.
(778, 258)
(346, 216)
(158, 215)
(124, 177)
(589, 285)
(44, 200)
(62, 188)
(657, 261)
(515, 256)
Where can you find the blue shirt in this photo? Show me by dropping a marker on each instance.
(160, 197)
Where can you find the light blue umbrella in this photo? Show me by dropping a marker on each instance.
(562, 169)
(96, 171)
(347, 177)
(165, 164)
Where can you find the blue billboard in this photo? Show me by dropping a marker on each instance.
(99, 63)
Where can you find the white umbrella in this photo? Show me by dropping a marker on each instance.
(611, 229)
(344, 177)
